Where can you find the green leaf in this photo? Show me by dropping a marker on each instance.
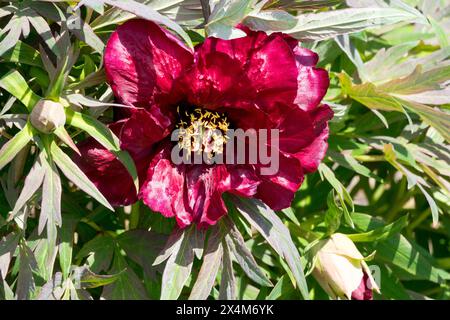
(283, 286)
(50, 214)
(81, 100)
(90, 279)
(6, 292)
(382, 233)
(270, 20)
(433, 207)
(99, 251)
(392, 286)
(127, 285)
(143, 11)
(25, 281)
(142, 246)
(368, 95)
(15, 84)
(289, 212)
(348, 161)
(65, 246)
(438, 119)
(23, 53)
(43, 29)
(276, 234)
(402, 253)
(172, 244)
(225, 16)
(87, 35)
(227, 290)
(8, 246)
(398, 251)
(342, 192)
(433, 97)
(236, 245)
(379, 68)
(15, 145)
(13, 35)
(440, 32)
(94, 128)
(95, 5)
(64, 136)
(59, 78)
(333, 215)
(32, 183)
(78, 177)
(105, 137)
(210, 266)
(328, 24)
(178, 267)
(418, 81)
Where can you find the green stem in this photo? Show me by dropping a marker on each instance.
(416, 222)
(134, 215)
(399, 201)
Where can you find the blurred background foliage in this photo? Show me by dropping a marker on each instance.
(384, 181)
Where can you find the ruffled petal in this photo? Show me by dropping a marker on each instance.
(108, 173)
(256, 69)
(313, 82)
(204, 188)
(243, 180)
(141, 62)
(143, 130)
(311, 155)
(163, 189)
(208, 83)
(295, 126)
(193, 193)
(278, 190)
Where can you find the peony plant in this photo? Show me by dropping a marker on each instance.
(224, 149)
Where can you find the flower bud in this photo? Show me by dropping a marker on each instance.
(47, 116)
(341, 270)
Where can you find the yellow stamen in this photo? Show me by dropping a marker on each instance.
(202, 131)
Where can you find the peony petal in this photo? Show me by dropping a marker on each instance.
(143, 130)
(141, 62)
(205, 185)
(296, 130)
(278, 190)
(193, 193)
(234, 73)
(243, 180)
(108, 173)
(272, 73)
(313, 82)
(363, 292)
(311, 156)
(209, 84)
(190, 193)
(163, 190)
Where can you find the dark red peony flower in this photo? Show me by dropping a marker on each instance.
(260, 81)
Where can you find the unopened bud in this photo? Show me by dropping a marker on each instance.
(47, 116)
(341, 270)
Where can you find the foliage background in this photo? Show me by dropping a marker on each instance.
(384, 181)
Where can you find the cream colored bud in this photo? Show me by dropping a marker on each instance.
(340, 267)
(47, 116)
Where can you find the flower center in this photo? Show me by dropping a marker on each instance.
(202, 131)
